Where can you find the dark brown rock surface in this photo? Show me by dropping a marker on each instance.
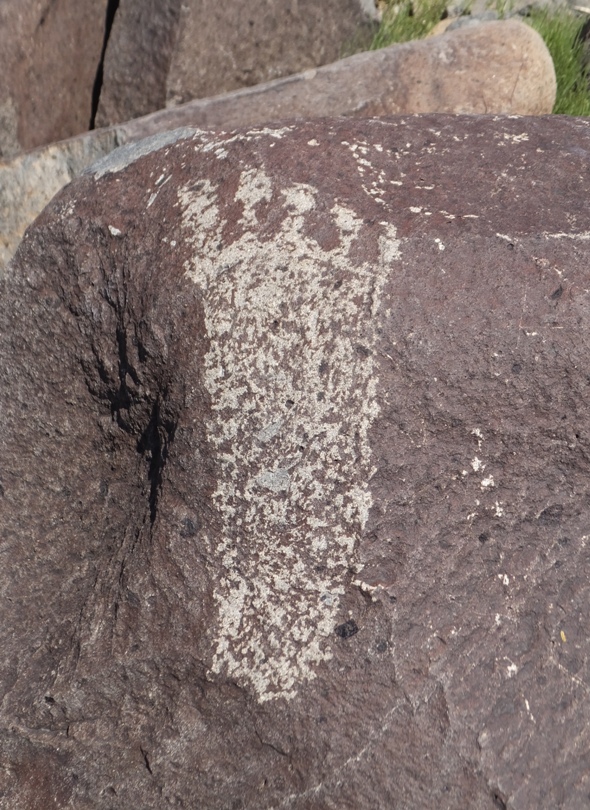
(49, 55)
(295, 473)
(164, 52)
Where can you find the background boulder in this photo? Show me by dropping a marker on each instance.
(49, 56)
(163, 53)
(58, 60)
(295, 472)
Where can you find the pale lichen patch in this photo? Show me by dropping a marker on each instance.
(293, 400)
(477, 464)
(516, 138)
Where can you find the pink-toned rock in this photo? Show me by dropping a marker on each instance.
(163, 53)
(496, 67)
(49, 55)
(295, 481)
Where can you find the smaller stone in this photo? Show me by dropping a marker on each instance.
(472, 19)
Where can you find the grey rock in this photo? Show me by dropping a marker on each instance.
(29, 181)
(120, 158)
(9, 145)
(386, 320)
(508, 9)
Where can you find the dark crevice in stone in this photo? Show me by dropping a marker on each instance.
(131, 412)
(121, 400)
(499, 800)
(270, 745)
(112, 7)
(155, 443)
(48, 8)
(146, 761)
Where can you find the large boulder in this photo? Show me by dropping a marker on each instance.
(49, 57)
(163, 52)
(497, 67)
(295, 474)
(503, 67)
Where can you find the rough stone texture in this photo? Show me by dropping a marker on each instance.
(49, 55)
(465, 72)
(295, 473)
(164, 52)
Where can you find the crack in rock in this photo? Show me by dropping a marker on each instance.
(112, 8)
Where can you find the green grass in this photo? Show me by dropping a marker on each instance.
(402, 22)
(561, 35)
(407, 20)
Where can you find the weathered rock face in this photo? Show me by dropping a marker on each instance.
(295, 473)
(163, 52)
(49, 54)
